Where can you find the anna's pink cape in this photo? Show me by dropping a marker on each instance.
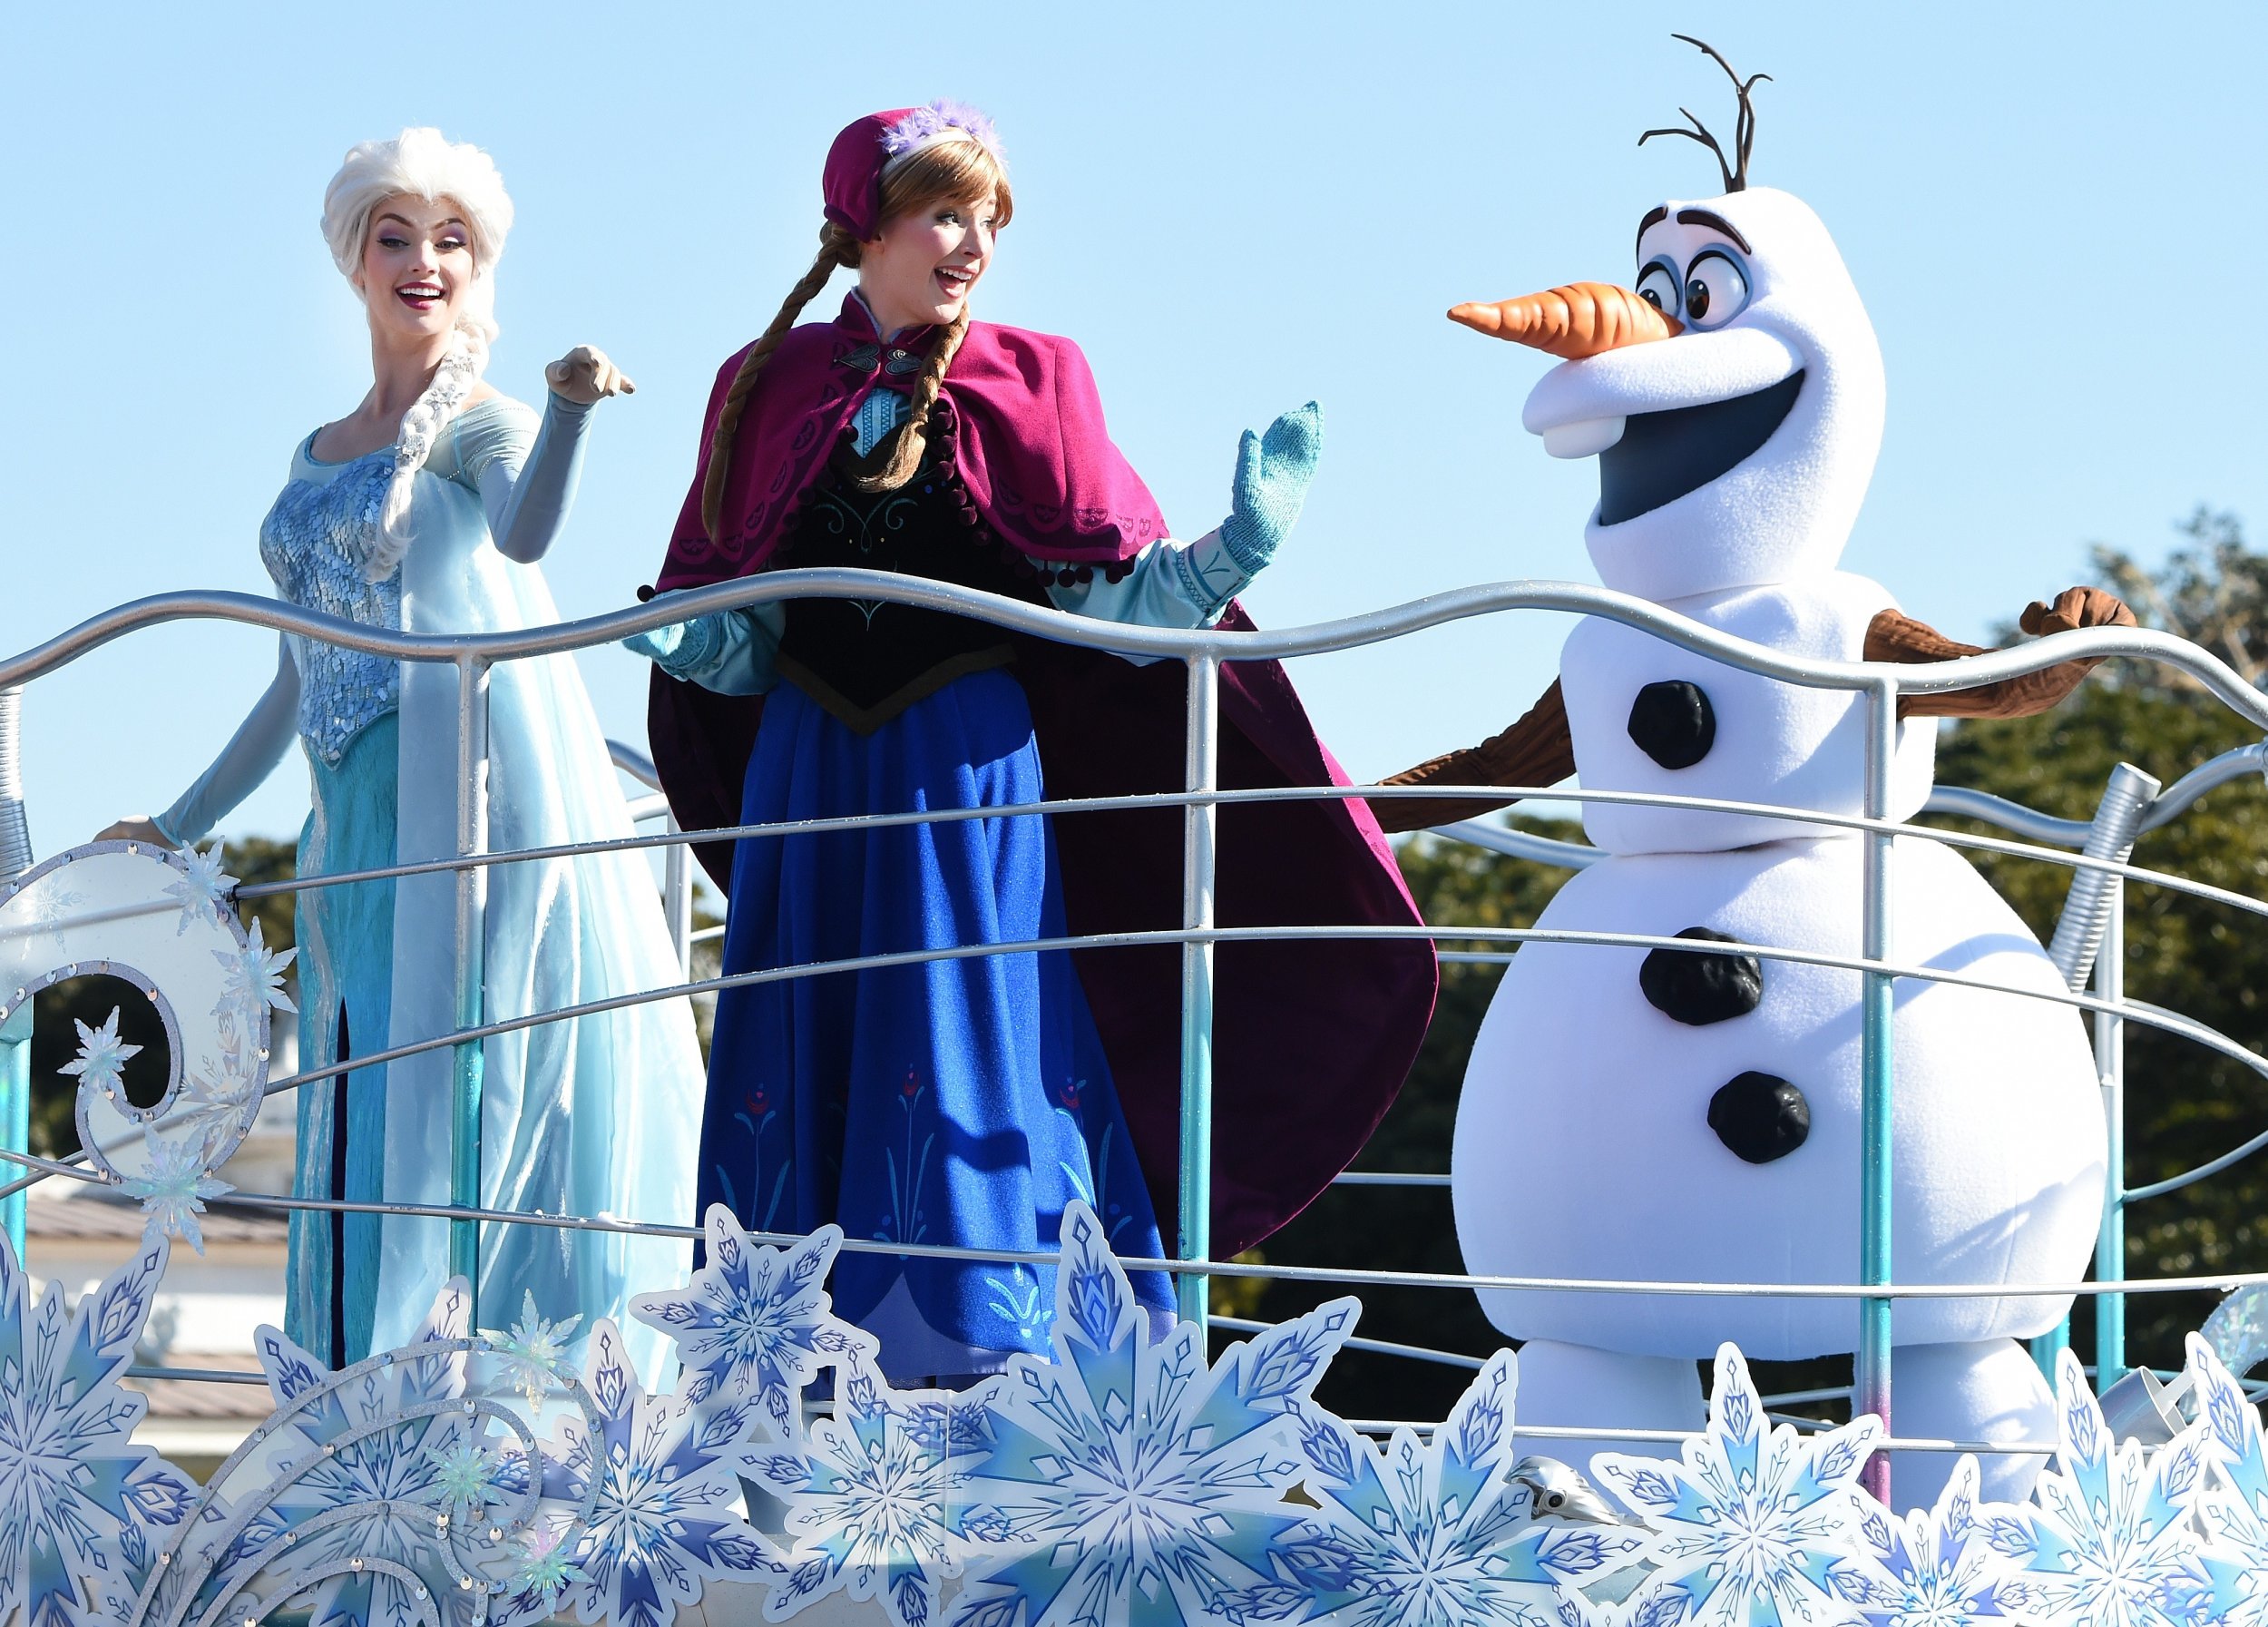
(1312, 1038)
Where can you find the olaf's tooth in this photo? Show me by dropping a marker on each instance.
(1586, 438)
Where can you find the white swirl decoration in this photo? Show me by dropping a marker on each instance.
(163, 922)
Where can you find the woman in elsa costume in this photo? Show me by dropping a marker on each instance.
(426, 510)
(968, 1101)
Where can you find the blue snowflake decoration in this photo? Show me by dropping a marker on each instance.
(1426, 1535)
(877, 1502)
(1936, 1567)
(393, 1494)
(1753, 1522)
(83, 1512)
(1137, 1483)
(658, 1477)
(2235, 1510)
(2108, 1540)
(753, 1326)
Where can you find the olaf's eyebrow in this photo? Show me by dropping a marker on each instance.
(1702, 217)
(1654, 217)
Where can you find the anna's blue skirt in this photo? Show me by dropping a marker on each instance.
(954, 1102)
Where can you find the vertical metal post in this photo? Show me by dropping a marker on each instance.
(15, 1036)
(15, 1113)
(1877, 1082)
(2110, 1067)
(2087, 907)
(472, 909)
(677, 899)
(1199, 822)
(2093, 911)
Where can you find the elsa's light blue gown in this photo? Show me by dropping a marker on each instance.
(598, 1115)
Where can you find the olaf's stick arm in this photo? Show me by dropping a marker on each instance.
(1893, 637)
(1538, 749)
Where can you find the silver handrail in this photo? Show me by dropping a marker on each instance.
(1203, 651)
(1065, 627)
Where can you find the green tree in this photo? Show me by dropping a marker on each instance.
(2212, 591)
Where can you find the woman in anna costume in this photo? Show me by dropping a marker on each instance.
(966, 1102)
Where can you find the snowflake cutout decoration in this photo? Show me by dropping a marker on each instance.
(203, 888)
(173, 1190)
(2107, 1540)
(752, 1324)
(358, 1507)
(82, 1508)
(103, 1056)
(52, 904)
(877, 1501)
(1936, 1567)
(1426, 1535)
(216, 1105)
(1751, 1522)
(2235, 1508)
(659, 1476)
(255, 976)
(1138, 1481)
(535, 1349)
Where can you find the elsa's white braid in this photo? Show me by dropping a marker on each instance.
(429, 414)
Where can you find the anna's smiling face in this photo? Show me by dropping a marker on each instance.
(416, 267)
(926, 262)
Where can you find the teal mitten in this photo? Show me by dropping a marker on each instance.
(1273, 470)
(679, 648)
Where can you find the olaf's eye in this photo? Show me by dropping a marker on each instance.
(1657, 286)
(1715, 290)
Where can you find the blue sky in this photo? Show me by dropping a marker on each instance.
(2053, 213)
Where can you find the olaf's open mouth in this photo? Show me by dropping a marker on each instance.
(1662, 455)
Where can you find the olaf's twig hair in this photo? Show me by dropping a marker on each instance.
(1736, 173)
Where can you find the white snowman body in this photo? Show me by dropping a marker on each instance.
(1784, 744)
(1583, 1147)
(1733, 458)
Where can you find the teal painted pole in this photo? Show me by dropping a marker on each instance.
(2110, 1066)
(1198, 825)
(472, 902)
(2048, 1347)
(16, 1111)
(15, 1034)
(1877, 1084)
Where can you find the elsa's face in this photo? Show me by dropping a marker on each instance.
(416, 267)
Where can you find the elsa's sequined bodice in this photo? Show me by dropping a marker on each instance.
(313, 543)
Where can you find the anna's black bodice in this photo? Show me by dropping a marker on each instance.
(867, 661)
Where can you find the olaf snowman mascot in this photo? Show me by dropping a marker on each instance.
(1676, 1115)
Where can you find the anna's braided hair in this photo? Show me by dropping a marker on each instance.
(947, 172)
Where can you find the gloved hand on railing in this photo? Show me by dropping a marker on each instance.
(681, 647)
(1273, 472)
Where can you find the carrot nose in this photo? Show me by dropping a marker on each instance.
(1579, 319)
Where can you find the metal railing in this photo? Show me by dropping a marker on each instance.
(2091, 934)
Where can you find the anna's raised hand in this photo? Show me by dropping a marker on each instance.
(1273, 472)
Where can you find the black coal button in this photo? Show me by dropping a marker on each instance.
(1760, 1117)
(1698, 988)
(1672, 723)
